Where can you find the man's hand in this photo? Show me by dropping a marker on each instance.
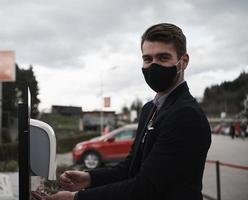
(64, 195)
(75, 180)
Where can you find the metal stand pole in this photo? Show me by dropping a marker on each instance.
(24, 149)
(218, 180)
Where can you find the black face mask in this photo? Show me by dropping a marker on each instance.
(158, 77)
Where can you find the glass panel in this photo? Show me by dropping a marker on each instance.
(124, 135)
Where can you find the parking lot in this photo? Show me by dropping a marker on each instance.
(233, 181)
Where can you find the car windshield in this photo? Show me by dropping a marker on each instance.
(113, 133)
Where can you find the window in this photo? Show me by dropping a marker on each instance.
(125, 135)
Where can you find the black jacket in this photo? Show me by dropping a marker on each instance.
(170, 165)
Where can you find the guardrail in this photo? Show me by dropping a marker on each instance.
(218, 183)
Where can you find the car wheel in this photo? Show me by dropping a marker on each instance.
(91, 160)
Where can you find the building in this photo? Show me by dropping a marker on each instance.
(92, 120)
(66, 110)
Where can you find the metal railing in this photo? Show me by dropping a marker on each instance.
(218, 181)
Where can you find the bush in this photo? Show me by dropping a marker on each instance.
(8, 166)
(67, 144)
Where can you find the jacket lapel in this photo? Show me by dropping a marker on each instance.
(173, 96)
(135, 158)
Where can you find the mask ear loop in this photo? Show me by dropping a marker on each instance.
(178, 63)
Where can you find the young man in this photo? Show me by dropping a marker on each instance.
(173, 137)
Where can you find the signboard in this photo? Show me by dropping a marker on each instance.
(7, 66)
(107, 102)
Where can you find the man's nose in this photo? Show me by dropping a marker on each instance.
(155, 60)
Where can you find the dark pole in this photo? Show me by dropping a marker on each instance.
(23, 149)
(218, 180)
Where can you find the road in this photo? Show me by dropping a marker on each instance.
(234, 182)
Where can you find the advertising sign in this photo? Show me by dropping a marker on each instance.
(7, 66)
(107, 102)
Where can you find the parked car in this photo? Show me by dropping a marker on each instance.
(222, 128)
(111, 147)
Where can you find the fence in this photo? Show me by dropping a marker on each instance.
(218, 181)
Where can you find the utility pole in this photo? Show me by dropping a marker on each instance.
(1, 100)
(102, 102)
(101, 112)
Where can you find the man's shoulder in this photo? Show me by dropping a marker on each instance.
(147, 105)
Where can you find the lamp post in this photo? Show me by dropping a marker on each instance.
(101, 95)
(1, 112)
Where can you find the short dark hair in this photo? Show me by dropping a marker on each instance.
(167, 33)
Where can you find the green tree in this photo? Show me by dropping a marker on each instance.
(227, 97)
(13, 93)
(137, 106)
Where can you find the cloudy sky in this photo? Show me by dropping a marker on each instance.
(76, 45)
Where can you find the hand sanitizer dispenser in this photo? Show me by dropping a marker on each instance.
(42, 150)
(37, 150)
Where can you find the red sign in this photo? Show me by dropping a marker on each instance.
(7, 66)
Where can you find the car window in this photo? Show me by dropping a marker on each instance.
(125, 135)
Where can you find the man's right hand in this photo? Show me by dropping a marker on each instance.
(75, 180)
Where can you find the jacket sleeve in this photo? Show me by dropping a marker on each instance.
(180, 148)
(119, 172)
(108, 175)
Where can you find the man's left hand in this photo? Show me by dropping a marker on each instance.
(63, 195)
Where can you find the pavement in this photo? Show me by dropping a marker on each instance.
(234, 182)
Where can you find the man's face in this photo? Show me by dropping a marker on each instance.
(160, 53)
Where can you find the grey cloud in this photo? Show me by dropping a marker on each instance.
(57, 33)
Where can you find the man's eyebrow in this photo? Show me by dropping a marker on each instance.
(159, 54)
(164, 54)
(146, 55)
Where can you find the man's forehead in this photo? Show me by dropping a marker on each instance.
(158, 47)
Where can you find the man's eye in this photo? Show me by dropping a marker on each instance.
(147, 60)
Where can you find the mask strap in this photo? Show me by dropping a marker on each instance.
(177, 64)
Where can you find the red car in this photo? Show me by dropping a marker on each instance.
(111, 147)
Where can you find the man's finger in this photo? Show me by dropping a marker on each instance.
(70, 174)
(65, 184)
(65, 179)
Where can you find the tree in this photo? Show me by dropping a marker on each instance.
(13, 93)
(137, 106)
(227, 97)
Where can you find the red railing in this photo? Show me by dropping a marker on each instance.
(228, 164)
(218, 164)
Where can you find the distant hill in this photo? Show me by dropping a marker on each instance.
(227, 97)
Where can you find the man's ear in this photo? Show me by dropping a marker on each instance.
(185, 61)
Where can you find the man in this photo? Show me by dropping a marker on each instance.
(173, 137)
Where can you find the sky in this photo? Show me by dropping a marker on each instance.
(83, 50)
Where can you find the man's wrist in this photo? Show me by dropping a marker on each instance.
(89, 179)
(75, 196)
